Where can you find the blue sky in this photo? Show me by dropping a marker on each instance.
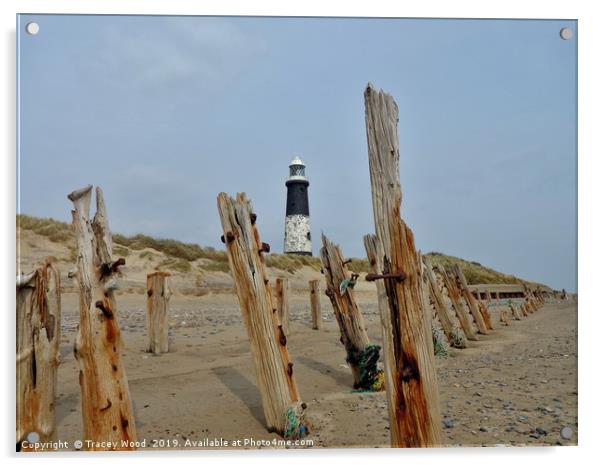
(165, 112)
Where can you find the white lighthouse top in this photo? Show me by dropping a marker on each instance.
(296, 169)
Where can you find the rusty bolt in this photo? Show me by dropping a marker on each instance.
(265, 247)
(105, 310)
(348, 261)
(400, 276)
(229, 236)
(282, 337)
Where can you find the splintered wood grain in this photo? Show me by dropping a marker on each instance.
(411, 382)
(347, 313)
(456, 300)
(105, 395)
(273, 367)
(38, 320)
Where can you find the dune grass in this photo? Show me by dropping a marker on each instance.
(180, 254)
(473, 271)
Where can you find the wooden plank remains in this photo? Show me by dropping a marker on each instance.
(283, 409)
(107, 414)
(157, 311)
(411, 382)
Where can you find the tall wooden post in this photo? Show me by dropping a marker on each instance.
(282, 407)
(157, 311)
(413, 397)
(282, 289)
(314, 299)
(38, 337)
(362, 357)
(456, 300)
(106, 404)
(469, 298)
(454, 335)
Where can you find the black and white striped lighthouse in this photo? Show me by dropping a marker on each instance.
(297, 235)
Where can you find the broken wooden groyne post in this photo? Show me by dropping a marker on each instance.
(314, 300)
(456, 301)
(362, 356)
(38, 321)
(515, 313)
(473, 307)
(106, 404)
(411, 381)
(454, 335)
(284, 411)
(157, 311)
(282, 291)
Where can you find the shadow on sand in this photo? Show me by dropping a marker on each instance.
(244, 389)
(342, 378)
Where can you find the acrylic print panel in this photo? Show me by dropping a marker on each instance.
(203, 319)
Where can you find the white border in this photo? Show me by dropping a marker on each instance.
(590, 121)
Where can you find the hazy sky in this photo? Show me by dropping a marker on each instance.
(165, 112)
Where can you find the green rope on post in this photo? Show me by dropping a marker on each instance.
(371, 377)
(439, 342)
(295, 427)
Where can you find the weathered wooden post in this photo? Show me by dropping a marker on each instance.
(473, 307)
(106, 404)
(38, 336)
(157, 311)
(411, 381)
(456, 300)
(504, 317)
(523, 308)
(314, 299)
(515, 312)
(486, 315)
(362, 357)
(454, 335)
(282, 407)
(282, 290)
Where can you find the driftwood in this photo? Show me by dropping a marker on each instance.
(106, 404)
(411, 381)
(38, 337)
(314, 299)
(157, 311)
(339, 289)
(282, 291)
(456, 300)
(282, 407)
(473, 307)
(504, 317)
(454, 335)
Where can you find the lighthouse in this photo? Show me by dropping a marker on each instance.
(297, 235)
